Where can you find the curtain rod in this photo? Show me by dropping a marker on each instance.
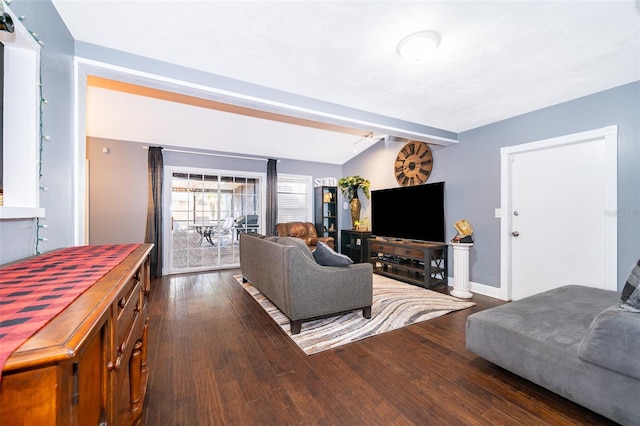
(212, 154)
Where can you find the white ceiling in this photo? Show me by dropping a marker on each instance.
(496, 60)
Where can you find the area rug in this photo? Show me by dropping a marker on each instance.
(395, 305)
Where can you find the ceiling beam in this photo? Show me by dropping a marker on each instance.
(134, 89)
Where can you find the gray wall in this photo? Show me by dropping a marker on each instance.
(118, 184)
(17, 237)
(471, 170)
(117, 192)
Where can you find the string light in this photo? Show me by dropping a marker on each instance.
(36, 38)
(43, 138)
(43, 102)
(39, 226)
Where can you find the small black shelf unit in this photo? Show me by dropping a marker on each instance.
(353, 243)
(326, 211)
(420, 263)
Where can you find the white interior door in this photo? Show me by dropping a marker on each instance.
(558, 212)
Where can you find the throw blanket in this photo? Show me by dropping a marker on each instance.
(34, 291)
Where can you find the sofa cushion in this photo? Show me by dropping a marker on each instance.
(538, 338)
(305, 231)
(631, 292)
(326, 256)
(613, 341)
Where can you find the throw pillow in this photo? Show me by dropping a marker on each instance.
(633, 302)
(631, 292)
(326, 256)
(296, 242)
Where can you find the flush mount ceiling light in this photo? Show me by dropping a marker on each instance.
(417, 47)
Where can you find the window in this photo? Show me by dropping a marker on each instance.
(295, 201)
(20, 123)
(208, 210)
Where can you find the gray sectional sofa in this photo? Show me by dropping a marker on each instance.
(575, 341)
(286, 272)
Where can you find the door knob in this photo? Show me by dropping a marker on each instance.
(515, 233)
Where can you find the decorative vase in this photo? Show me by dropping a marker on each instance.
(355, 210)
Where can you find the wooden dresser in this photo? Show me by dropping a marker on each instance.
(87, 366)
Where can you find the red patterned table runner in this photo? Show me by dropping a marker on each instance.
(36, 290)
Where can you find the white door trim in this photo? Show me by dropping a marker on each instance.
(610, 135)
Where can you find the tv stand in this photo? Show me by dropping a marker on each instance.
(419, 263)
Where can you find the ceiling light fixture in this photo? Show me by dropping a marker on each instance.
(416, 48)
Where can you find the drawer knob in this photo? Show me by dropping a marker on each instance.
(115, 366)
(122, 303)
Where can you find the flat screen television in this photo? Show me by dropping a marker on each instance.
(409, 212)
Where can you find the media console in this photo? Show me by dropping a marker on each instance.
(419, 263)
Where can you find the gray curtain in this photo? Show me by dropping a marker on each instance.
(272, 197)
(154, 210)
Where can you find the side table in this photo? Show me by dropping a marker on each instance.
(354, 244)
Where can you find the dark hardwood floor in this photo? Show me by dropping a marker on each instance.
(216, 358)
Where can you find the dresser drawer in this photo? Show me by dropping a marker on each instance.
(128, 307)
(380, 247)
(409, 252)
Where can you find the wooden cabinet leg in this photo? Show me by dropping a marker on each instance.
(135, 369)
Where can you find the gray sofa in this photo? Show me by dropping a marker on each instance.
(285, 271)
(573, 340)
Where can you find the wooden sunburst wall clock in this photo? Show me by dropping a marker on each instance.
(413, 164)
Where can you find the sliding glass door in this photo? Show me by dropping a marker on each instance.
(208, 211)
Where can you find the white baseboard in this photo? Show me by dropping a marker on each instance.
(486, 290)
